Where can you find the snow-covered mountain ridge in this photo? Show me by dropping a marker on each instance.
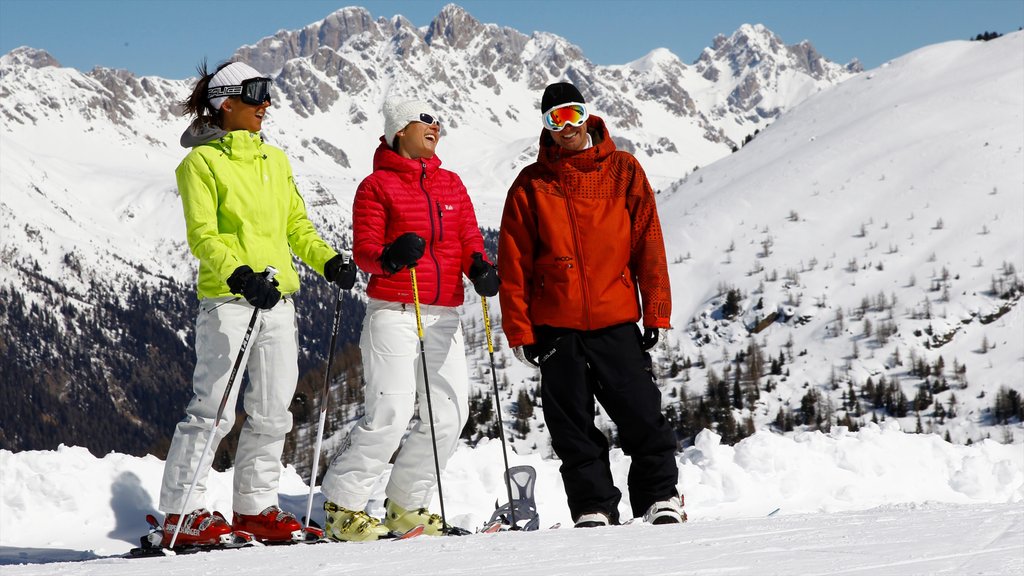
(92, 231)
(873, 233)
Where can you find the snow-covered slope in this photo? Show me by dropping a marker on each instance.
(894, 199)
(881, 222)
(875, 502)
(91, 230)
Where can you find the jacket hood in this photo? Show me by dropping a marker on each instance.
(551, 153)
(387, 159)
(194, 136)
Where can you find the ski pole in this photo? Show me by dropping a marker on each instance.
(426, 386)
(497, 407)
(324, 396)
(270, 272)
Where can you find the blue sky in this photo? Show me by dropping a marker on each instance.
(168, 38)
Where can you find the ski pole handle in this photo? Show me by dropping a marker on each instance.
(416, 301)
(269, 273)
(487, 324)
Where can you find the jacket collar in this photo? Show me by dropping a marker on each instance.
(387, 159)
(551, 154)
(237, 145)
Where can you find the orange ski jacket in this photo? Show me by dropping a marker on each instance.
(580, 243)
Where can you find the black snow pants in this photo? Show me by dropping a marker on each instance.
(609, 365)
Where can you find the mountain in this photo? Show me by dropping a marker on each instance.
(96, 291)
(860, 259)
(763, 74)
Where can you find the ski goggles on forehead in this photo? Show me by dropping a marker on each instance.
(254, 91)
(428, 119)
(572, 114)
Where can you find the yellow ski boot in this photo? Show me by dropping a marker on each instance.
(351, 526)
(400, 520)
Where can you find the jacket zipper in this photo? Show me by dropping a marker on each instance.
(579, 253)
(440, 221)
(433, 233)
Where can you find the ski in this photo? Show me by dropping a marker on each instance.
(152, 543)
(491, 527)
(410, 533)
(392, 535)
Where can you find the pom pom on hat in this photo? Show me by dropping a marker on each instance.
(558, 94)
(231, 75)
(398, 113)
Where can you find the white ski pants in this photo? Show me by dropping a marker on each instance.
(393, 373)
(271, 360)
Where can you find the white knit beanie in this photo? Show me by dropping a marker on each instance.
(231, 75)
(398, 113)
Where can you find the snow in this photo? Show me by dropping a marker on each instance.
(875, 186)
(878, 501)
(932, 136)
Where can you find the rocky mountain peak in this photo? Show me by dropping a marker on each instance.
(756, 62)
(28, 56)
(455, 27)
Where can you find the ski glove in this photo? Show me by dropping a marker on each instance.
(484, 276)
(527, 354)
(255, 288)
(404, 252)
(341, 271)
(649, 339)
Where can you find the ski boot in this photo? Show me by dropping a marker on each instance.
(400, 520)
(272, 525)
(352, 526)
(199, 528)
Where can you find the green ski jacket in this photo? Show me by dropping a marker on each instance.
(242, 208)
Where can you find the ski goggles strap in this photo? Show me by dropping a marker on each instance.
(254, 91)
(571, 114)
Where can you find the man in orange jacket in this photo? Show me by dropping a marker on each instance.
(582, 261)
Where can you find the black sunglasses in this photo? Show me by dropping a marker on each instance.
(254, 91)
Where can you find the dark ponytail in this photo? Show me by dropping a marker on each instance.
(198, 103)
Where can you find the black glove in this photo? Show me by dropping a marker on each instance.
(528, 354)
(340, 271)
(404, 252)
(484, 276)
(649, 339)
(255, 288)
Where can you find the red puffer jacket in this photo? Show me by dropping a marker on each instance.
(580, 243)
(415, 195)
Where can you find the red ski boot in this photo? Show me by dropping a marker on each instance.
(271, 525)
(200, 528)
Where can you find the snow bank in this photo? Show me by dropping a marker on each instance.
(101, 503)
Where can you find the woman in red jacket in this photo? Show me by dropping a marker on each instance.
(580, 246)
(409, 213)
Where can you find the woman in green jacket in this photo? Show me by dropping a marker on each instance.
(243, 214)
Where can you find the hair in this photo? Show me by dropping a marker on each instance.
(198, 103)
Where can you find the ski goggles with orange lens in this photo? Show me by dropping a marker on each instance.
(571, 114)
(254, 91)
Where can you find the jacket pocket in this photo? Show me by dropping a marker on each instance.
(556, 292)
